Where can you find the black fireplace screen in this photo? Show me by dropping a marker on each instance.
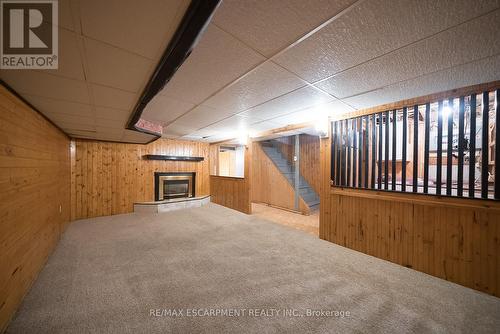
(175, 188)
(170, 185)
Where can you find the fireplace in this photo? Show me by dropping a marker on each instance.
(174, 185)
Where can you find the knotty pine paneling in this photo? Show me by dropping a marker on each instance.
(110, 177)
(233, 192)
(270, 186)
(310, 161)
(454, 239)
(34, 197)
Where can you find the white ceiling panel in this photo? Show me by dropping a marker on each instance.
(201, 116)
(232, 124)
(293, 101)
(112, 130)
(113, 67)
(143, 27)
(264, 83)
(112, 114)
(164, 109)
(72, 119)
(218, 59)
(77, 128)
(475, 40)
(257, 128)
(374, 28)
(46, 85)
(313, 113)
(130, 136)
(485, 70)
(202, 133)
(110, 123)
(50, 106)
(113, 98)
(65, 18)
(70, 61)
(174, 131)
(270, 25)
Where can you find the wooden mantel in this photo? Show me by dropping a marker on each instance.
(172, 157)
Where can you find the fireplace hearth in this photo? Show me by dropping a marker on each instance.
(170, 185)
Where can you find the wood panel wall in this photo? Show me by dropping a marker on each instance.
(233, 192)
(109, 177)
(270, 186)
(34, 197)
(310, 160)
(454, 239)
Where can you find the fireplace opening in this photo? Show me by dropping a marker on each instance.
(174, 185)
(175, 188)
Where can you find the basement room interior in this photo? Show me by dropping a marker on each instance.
(234, 166)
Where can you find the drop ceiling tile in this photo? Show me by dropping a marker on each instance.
(233, 124)
(256, 128)
(270, 25)
(217, 60)
(65, 18)
(177, 130)
(164, 109)
(136, 137)
(70, 61)
(142, 27)
(108, 137)
(71, 127)
(113, 67)
(201, 116)
(202, 133)
(438, 52)
(372, 29)
(109, 130)
(50, 106)
(63, 119)
(260, 85)
(112, 114)
(313, 113)
(296, 100)
(477, 72)
(113, 98)
(110, 123)
(293, 118)
(43, 84)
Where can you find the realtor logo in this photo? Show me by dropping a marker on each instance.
(29, 36)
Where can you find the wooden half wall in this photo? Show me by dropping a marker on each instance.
(34, 197)
(454, 239)
(107, 178)
(231, 192)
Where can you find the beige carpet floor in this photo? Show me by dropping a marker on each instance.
(309, 224)
(122, 274)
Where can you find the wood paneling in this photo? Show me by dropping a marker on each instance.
(310, 161)
(110, 177)
(270, 186)
(454, 239)
(34, 197)
(233, 192)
